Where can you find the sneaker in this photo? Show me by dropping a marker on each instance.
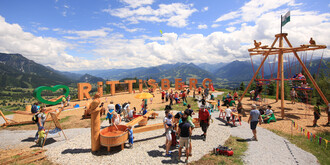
(168, 155)
(253, 138)
(204, 138)
(202, 134)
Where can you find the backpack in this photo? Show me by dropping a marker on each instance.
(34, 109)
(118, 107)
(168, 107)
(35, 118)
(124, 105)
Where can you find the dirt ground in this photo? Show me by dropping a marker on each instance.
(300, 113)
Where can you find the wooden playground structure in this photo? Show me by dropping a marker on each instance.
(11, 122)
(266, 51)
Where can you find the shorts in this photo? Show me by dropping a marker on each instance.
(184, 141)
(203, 126)
(125, 112)
(316, 117)
(228, 119)
(168, 136)
(163, 98)
(253, 125)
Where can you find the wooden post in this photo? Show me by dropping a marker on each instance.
(256, 73)
(282, 76)
(4, 117)
(278, 76)
(95, 125)
(308, 74)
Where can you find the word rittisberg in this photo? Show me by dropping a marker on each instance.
(85, 88)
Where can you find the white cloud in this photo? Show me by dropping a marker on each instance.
(175, 14)
(205, 9)
(215, 25)
(43, 28)
(254, 9)
(122, 26)
(137, 3)
(231, 29)
(202, 26)
(228, 16)
(85, 34)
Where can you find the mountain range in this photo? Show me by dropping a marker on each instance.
(18, 71)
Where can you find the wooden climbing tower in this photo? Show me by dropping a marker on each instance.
(266, 51)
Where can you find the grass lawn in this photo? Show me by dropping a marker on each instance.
(238, 147)
(180, 107)
(319, 151)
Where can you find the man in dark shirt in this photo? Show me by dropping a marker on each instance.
(184, 132)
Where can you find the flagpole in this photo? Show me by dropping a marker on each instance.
(281, 24)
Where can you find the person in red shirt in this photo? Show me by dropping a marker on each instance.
(163, 96)
(184, 98)
(204, 120)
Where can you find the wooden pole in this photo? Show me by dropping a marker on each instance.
(256, 73)
(95, 125)
(282, 76)
(308, 73)
(278, 76)
(4, 117)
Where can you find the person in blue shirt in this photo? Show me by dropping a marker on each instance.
(130, 136)
(255, 117)
(145, 110)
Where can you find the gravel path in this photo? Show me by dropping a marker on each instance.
(148, 148)
(271, 148)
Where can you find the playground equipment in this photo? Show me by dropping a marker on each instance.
(111, 136)
(10, 122)
(266, 51)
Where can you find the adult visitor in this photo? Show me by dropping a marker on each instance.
(254, 118)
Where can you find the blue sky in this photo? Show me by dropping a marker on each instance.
(104, 34)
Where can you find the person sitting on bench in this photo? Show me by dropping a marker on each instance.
(268, 113)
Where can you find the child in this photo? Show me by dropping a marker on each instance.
(131, 113)
(130, 136)
(218, 105)
(152, 98)
(228, 114)
(41, 138)
(168, 127)
(317, 114)
(145, 110)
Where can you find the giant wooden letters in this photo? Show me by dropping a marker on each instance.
(100, 88)
(204, 81)
(85, 88)
(165, 84)
(84, 92)
(152, 84)
(178, 84)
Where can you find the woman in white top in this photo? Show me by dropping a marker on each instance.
(116, 119)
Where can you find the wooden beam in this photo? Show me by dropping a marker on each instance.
(282, 78)
(308, 74)
(148, 128)
(256, 73)
(4, 117)
(138, 119)
(278, 76)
